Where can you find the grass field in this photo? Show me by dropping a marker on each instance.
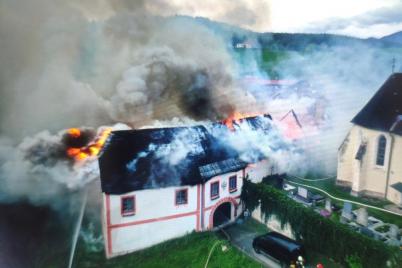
(189, 251)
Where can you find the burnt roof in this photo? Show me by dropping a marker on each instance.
(384, 108)
(151, 158)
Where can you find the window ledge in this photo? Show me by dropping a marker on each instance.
(128, 214)
(181, 204)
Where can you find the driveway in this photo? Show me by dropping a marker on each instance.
(241, 235)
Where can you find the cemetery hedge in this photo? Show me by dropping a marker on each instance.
(317, 233)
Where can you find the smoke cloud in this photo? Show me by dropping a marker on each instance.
(251, 140)
(94, 63)
(337, 81)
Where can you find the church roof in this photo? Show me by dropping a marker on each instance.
(383, 111)
(163, 157)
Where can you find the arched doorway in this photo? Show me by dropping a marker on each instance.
(222, 214)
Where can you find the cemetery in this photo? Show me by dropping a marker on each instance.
(356, 218)
(323, 235)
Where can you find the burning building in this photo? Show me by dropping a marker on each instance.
(162, 183)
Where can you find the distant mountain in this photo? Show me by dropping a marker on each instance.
(393, 38)
(234, 35)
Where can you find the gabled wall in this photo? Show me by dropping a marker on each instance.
(365, 176)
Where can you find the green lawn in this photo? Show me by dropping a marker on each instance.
(189, 251)
(330, 187)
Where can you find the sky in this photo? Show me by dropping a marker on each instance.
(360, 18)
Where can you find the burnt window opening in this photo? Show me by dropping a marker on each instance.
(181, 197)
(233, 184)
(128, 206)
(215, 190)
(382, 144)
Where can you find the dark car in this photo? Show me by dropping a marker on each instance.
(278, 246)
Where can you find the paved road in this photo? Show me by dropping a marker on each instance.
(242, 235)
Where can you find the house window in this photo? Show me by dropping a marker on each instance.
(215, 190)
(181, 197)
(382, 144)
(233, 184)
(128, 205)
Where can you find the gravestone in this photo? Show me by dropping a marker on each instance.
(393, 231)
(362, 216)
(393, 242)
(302, 192)
(347, 211)
(328, 205)
(368, 232)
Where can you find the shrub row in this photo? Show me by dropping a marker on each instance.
(327, 237)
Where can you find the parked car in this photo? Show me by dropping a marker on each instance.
(279, 247)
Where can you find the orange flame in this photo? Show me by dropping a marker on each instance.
(74, 132)
(92, 149)
(237, 117)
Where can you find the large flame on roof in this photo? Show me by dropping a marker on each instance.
(91, 149)
(237, 117)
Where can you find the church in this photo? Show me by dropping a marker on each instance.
(370, 157)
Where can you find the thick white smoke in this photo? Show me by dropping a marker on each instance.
(341, 78)
(264, 139)
(251, 140)
(93, 63)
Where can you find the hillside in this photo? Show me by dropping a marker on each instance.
(290, 41)
(395, 38)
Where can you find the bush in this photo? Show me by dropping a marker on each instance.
(318, 233)
(353, 261)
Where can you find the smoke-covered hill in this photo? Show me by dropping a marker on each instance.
(293, 41)
(395, 38)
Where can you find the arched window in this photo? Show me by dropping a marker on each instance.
(382, 144)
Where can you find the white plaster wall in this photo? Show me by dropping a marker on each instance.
(346, 156)
(153, 203)
(133, 238)
(273, 223)
(395, 171)
(367, 176)
(373, 177)
(223, 192)
(159, 203)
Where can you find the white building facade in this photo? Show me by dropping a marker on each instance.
(370, 157)
(143, 218)
(163, 183)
